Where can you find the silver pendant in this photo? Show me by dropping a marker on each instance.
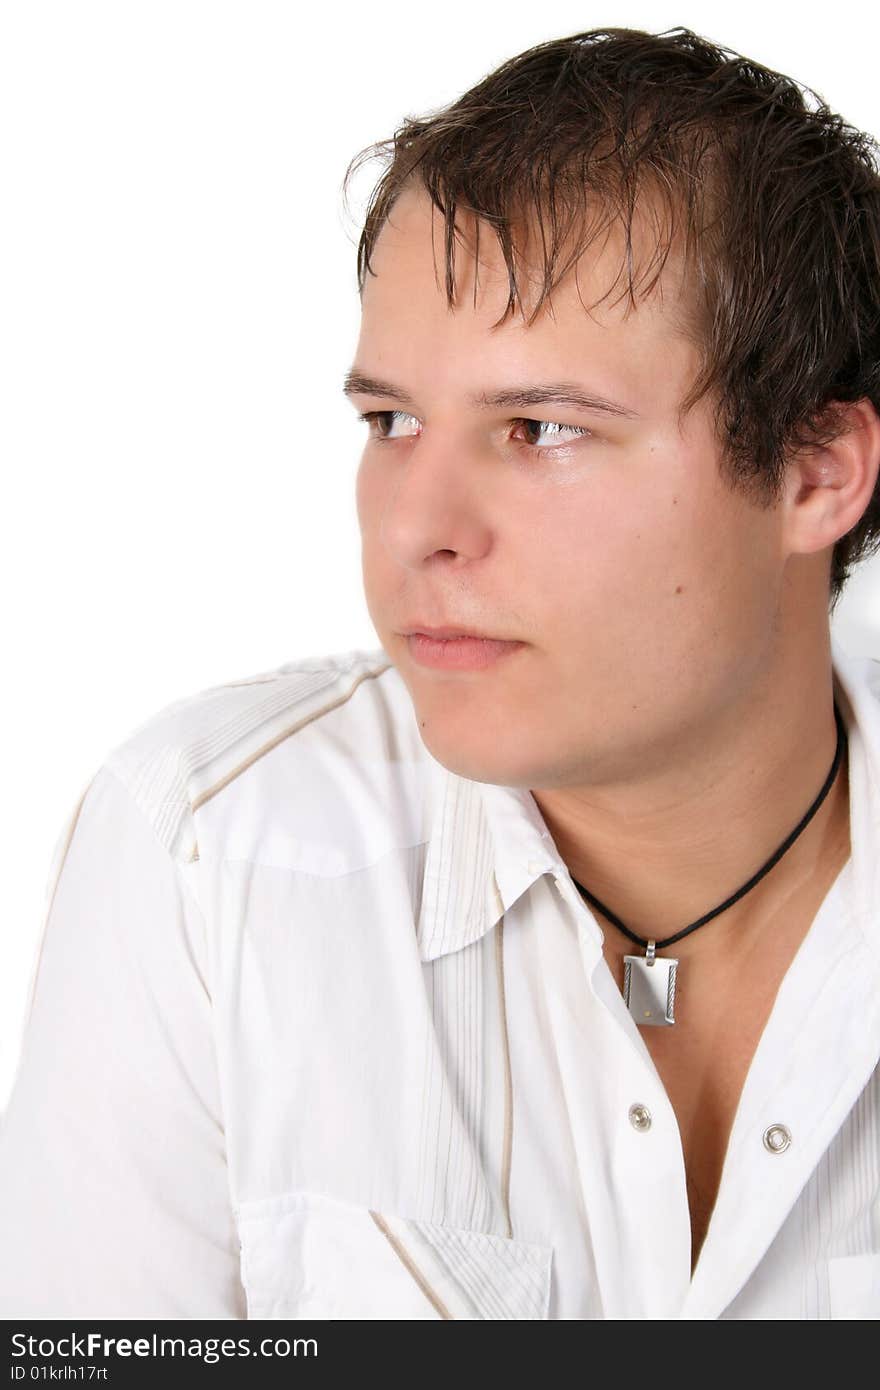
(649, 986)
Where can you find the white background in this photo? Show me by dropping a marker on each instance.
(178, 306)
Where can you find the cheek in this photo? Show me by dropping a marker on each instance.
(369, 499)
(361, 492)
(595, 549)
(659, 571)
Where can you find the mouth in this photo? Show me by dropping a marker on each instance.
(445, 634)
(460, 651)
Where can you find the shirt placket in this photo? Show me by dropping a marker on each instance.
(624, 1130)
(815, 1057)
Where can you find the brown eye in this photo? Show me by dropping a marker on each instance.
(553, 426)
(383, 420)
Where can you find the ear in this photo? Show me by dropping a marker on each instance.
(828, 488)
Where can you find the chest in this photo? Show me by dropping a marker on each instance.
(704, 1059)
(725, 993)
(392, 1123)
(704, 1079)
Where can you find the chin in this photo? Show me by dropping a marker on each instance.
(468, 757)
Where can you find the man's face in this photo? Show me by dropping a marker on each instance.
(643, 589)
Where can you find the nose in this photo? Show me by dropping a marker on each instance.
(435, 503)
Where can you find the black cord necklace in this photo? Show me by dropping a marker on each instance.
(649, 981)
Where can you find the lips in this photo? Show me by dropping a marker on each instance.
(442, 634)
(463, 652)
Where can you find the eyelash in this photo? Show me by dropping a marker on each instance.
(369, 416)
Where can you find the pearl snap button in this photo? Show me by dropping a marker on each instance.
(777, 1138)
(640, 1117)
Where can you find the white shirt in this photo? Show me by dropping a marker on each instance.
(321, 1029)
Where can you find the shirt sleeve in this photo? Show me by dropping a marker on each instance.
(114, 1196)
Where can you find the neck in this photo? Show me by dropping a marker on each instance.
(663, 852)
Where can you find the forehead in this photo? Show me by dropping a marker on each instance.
(409, 257)
(589, 312)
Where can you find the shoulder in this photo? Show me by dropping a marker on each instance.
(251, 766)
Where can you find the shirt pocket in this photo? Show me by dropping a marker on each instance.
(309, 1255)
(854, 1286)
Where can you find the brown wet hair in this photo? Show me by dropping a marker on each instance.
(771, 199)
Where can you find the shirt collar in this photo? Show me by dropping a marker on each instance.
(488, 844)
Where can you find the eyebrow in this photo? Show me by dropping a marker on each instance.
(515, 397)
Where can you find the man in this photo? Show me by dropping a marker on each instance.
(357, 997)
